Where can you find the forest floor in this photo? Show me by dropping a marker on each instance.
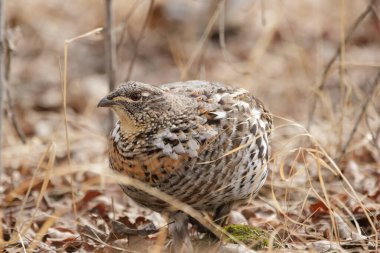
(315, 64)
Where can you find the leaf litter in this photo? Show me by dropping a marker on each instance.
(313, 200)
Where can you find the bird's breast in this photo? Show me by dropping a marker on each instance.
(149, 168)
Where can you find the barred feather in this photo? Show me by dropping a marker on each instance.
(201, 142)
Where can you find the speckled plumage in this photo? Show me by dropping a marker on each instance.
(203, 143)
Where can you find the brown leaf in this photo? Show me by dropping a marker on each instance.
(90, 195)
(318, 208)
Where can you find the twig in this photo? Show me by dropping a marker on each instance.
(262, 9)
(119, 230)
(124, 29)
(64, 99)
(202, 41)
(12, 116)
(135, 50)
(374, 135)
(372, 90)
(92, 233)
(344, 95)
(49, 222)
(321, 85)
(110, 53)
(222, 40)
(98, 236)
(10, 105)
(2, 72)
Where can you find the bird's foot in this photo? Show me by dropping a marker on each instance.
(202, 229)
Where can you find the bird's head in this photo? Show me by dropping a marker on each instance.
(140, 107)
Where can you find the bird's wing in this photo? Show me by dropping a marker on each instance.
(221, 114)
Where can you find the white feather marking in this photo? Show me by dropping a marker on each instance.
(256, 114)
(115, 133)
(220, 115)
(179, 149)
(241, 105)
(216, 98)
(239, 92)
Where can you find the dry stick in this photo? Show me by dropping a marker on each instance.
(45, 182)
(48, 172)
(222, 40)
(333, 168)
(327, 199)
(262, 10)
(11, 112)
(174, 202)
(44, 229)
(321, 85)
(2, 80)
(375, 135)
(99, 237)
(64, 95)
(340, 173)
(12, 116)
(1, 231)
(110, 54)
(135, 50)
(202, 41)
(2, 72)
(120, 230)
(374, 85)
(24, 226)
(342, 88)
(124, 29)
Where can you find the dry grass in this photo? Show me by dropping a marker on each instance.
(323, 192)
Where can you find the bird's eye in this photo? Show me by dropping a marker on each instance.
(135, 96)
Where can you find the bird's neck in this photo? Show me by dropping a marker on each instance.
(129, 144)
(128, 127)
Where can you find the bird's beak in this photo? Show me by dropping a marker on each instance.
(105, 102)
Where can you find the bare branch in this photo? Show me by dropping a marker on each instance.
(12, 115)
(135, 50)
(322, 83)
(2, 72)
(374, 85)
(124, 28)
(110, 54)
(222, 40)
(374, 135)
(119, 230)
(8, 49)
(202, 42)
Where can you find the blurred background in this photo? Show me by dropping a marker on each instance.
(326, 105)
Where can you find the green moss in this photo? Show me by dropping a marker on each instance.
(256, 238)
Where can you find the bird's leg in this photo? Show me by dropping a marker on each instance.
(221, 214)
(220, 218)
(178, 230)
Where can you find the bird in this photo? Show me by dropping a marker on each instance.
(204, 143)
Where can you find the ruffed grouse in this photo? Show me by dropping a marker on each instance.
(203, 143)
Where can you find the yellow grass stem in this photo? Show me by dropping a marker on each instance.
(64, 91)
(44, 228)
